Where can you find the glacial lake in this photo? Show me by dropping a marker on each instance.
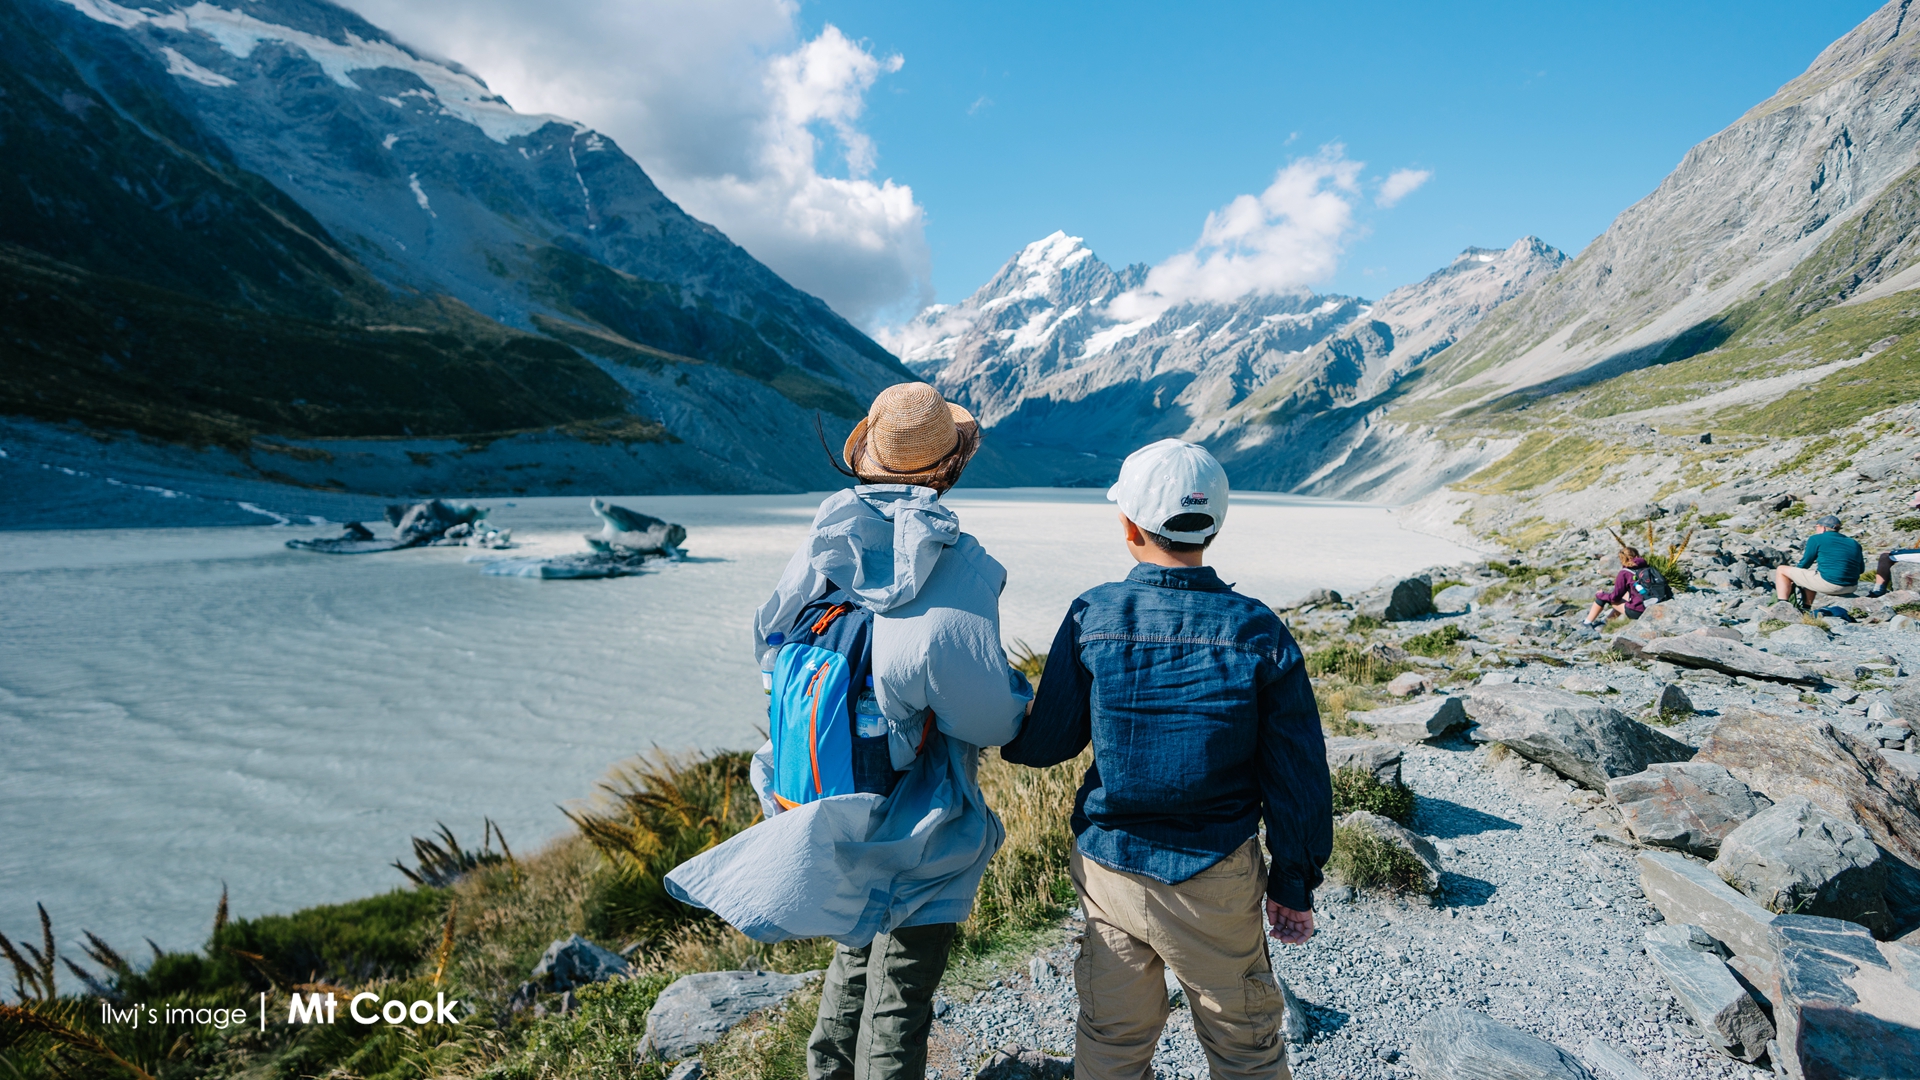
(186, 707)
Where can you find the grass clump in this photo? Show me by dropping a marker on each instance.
(1910, 523)
(1355, 788)
(1910, 610)
(771, 1046)
(1363, 622)
(655, 813)
(1435, 643)
(593, 1042)
(1334, 705)
(1768, 626)
(1357, 664)
(1797, 510)
(1366, 860)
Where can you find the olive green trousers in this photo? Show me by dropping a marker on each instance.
(876, 1008)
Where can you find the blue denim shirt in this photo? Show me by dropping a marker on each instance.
(1197, 703)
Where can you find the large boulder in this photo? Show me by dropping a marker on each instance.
(1848, 1007)
(1840, 771)
(1796, 857)
(1382, 759)
(1461, 1044)
(1732, 1021)
(1719, 654)
(1401, 599)
(1686, 892)
(1690, 805)
(1906, 701)
(575, 961)
(699, 1009)
(1428, 718)
(1579, 738)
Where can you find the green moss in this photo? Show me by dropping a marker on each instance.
(1906, 524)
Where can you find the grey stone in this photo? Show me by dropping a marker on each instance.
(1409, 683)
(698, 1009)
(1906, 700)
(1418, 721)
(1849, 1007)
(1316, 596)
(1382, 759)
(1729, 1017)
(1456, 597)
(1040, 969)
(1796, 857)
(1782, 611)
(1586, 682)
(1684, 891)
(1461, 1044)
(1691, 805)
(1577, 737)
(1801, 635)
(690, 1069)
(1905, 763)
(575, 961)
(1674, 701)
(1842, 772)
(1608, 1061)
(1718, 654)
(1025, 1063)
(1393, 832)
(1402, 599)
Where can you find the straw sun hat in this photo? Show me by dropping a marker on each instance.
(912, 435)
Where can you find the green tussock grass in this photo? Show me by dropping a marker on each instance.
(1355, 788)
(593, 1042)
(1906, 524)
(1366, 860)
(1363, 622)
(1911, 610)
(1357, 664)
(771, 1046)
(1335, 704)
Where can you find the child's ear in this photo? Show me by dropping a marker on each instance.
(1131, 531)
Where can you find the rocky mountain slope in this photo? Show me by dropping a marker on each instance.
(266, 226)
(1270, 380)
(1765, 287)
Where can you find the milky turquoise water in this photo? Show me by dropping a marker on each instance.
(185, 707)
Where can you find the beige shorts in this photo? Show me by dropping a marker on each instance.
(1811, 579)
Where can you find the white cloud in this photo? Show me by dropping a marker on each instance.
(1400, 184)
(727, 109)
(1286, 237)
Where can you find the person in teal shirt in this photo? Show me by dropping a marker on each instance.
(1830, 565)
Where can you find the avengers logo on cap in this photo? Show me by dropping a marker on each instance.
(1198, 498)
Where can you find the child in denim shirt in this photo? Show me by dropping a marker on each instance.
(1203, 723)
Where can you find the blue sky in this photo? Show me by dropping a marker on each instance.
(1126, 123)
(885, 155)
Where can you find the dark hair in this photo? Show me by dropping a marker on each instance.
(1182, 523)
(942, 475)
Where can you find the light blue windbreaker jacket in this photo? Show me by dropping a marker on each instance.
(852, 866)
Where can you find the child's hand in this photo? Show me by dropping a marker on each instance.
(1289, 926)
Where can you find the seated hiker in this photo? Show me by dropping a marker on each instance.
(1202, 720)
(1624, 598)
(1883, 570)
(1830, 565)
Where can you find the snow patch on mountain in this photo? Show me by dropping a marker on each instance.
(238, 34)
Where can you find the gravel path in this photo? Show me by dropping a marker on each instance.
(1538, 926)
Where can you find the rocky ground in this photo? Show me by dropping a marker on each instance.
(1536, 924)
(1540, 921)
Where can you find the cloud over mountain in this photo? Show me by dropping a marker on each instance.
(733, 114)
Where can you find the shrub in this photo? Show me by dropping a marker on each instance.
(1909, 610)
(1366, 860)
(1907, 524)
(1364, 622)
(1797, 510)
(1436, 643)
(654, 813)
(379, 937)
(1355, 788)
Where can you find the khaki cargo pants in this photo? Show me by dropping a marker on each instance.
(1208, 931)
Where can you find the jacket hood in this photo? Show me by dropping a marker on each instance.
(881, 541)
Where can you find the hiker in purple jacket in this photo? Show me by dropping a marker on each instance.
(1623, 598)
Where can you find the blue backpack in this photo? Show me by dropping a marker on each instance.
(824, 663)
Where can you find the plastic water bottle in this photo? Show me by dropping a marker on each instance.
(868, 721)
(774, 641)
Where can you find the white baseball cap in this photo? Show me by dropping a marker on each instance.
(1167, 479)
